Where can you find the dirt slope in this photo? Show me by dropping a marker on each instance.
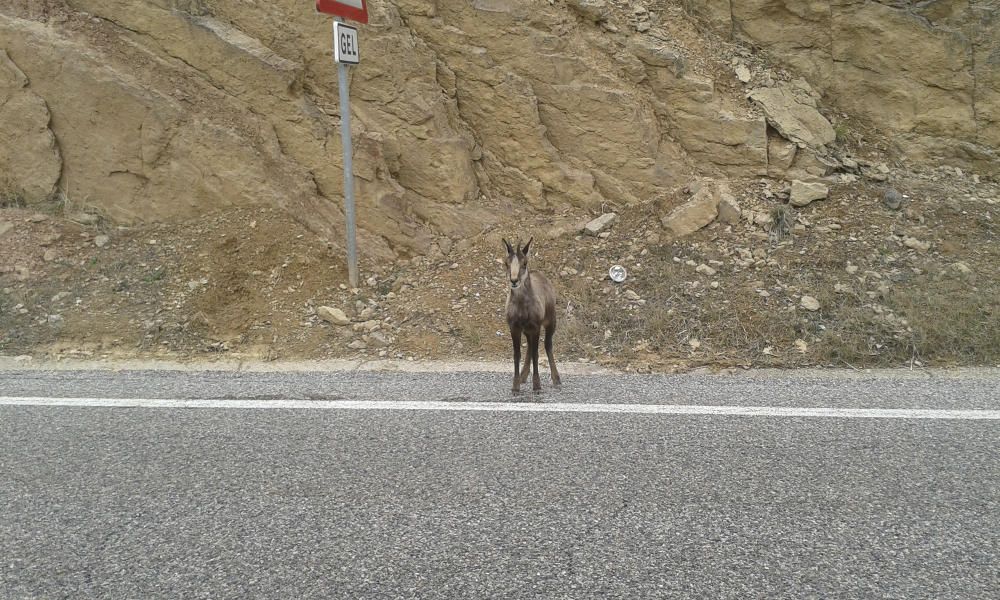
(183, 195)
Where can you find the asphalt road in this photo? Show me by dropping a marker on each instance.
(222, 502)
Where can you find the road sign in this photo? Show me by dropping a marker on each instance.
(345, 44)
(346, 51)
(355, 10)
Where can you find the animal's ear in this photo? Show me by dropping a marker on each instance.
(510, 249)
(527, 246)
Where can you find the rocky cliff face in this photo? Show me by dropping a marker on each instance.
(158, 110)
(927, 72)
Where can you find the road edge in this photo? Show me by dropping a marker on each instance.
(27, 364)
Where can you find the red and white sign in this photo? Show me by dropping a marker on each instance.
(355, 10)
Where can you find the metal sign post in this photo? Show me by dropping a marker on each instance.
(346, 51)
(345, 138)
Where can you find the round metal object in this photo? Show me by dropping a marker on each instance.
(617, 273)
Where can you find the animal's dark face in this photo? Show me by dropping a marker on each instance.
(516, 264)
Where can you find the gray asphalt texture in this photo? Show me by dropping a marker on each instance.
(228, 503)
(838, 389)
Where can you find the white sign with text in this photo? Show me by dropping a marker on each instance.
(346, 47)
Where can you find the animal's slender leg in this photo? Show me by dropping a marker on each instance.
(536, 381)
(549, 332)
(526, 369)
(515, 336)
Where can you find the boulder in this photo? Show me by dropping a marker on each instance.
(791, 110)
(600, 224)
(780, 156)
(700, 210)
(729, 209)
(334, 316)
(657, 53)
(804, 193)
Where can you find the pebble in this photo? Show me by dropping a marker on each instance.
(809, 303)
(378, 339)
(743, 73)
(601, 224)
(962, 268)
(85, 218)
(331, 315)
(892, 199)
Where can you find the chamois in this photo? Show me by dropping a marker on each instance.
(531, 306)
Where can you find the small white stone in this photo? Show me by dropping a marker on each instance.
(809, 303)
(600, 224)
(334, 316)
(743, 73)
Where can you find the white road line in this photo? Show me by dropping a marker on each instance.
(556, 407)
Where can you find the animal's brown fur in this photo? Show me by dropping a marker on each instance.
(531, 307)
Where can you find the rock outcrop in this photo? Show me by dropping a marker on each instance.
(791, 110)
(929, 72)
(28, 149)
(159, 110)
(168, 109)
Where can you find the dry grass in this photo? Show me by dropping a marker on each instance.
(10, 195)
(953, 322)
(898, 307)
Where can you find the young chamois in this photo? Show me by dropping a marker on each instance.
(531, 306)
